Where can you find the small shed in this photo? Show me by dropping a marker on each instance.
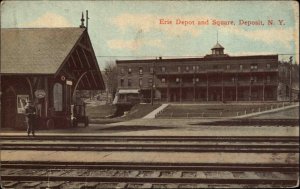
(45, 65)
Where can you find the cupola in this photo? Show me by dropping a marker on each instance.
(217, 49)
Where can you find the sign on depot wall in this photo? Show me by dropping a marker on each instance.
(40, 93)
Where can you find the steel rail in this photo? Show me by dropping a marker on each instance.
(147, 179)
(161, 150)
(155, 138)
(151, 166)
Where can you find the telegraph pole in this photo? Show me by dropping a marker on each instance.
(194, 82)
(290, 83)
(152, 85)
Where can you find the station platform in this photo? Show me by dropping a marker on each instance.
(166, 130)
(149, 157)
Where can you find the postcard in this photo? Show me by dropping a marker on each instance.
(149, 94)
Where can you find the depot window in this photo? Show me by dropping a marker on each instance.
(129, 70)
(129, 82)
(163, 80)
(163, 69)
(58, 97)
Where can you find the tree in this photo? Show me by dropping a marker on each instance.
(111, 79)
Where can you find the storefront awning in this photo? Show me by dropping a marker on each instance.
(129, 91)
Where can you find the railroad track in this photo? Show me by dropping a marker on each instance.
(152, 138)
(146, 175)
(151, 143)
(155, 147)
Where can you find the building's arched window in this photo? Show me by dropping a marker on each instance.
(58, 97)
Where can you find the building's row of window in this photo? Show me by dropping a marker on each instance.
(194, 68)
(253, 79)
(129, 82)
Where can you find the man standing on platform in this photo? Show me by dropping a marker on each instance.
(30, 113)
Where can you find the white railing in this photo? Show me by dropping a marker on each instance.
(171, 114)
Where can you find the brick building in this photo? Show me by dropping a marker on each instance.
(214, 77)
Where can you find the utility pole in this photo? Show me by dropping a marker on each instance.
(194, 83)
(152, 85)
(290, 83)
(107, 73)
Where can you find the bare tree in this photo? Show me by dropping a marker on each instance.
(111, 78)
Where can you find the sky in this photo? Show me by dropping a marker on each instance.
(138, 29)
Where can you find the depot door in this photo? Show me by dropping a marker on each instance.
(9, 109)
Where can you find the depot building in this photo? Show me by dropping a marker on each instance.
(46, 66)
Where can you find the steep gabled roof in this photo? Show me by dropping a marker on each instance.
(36, 50)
